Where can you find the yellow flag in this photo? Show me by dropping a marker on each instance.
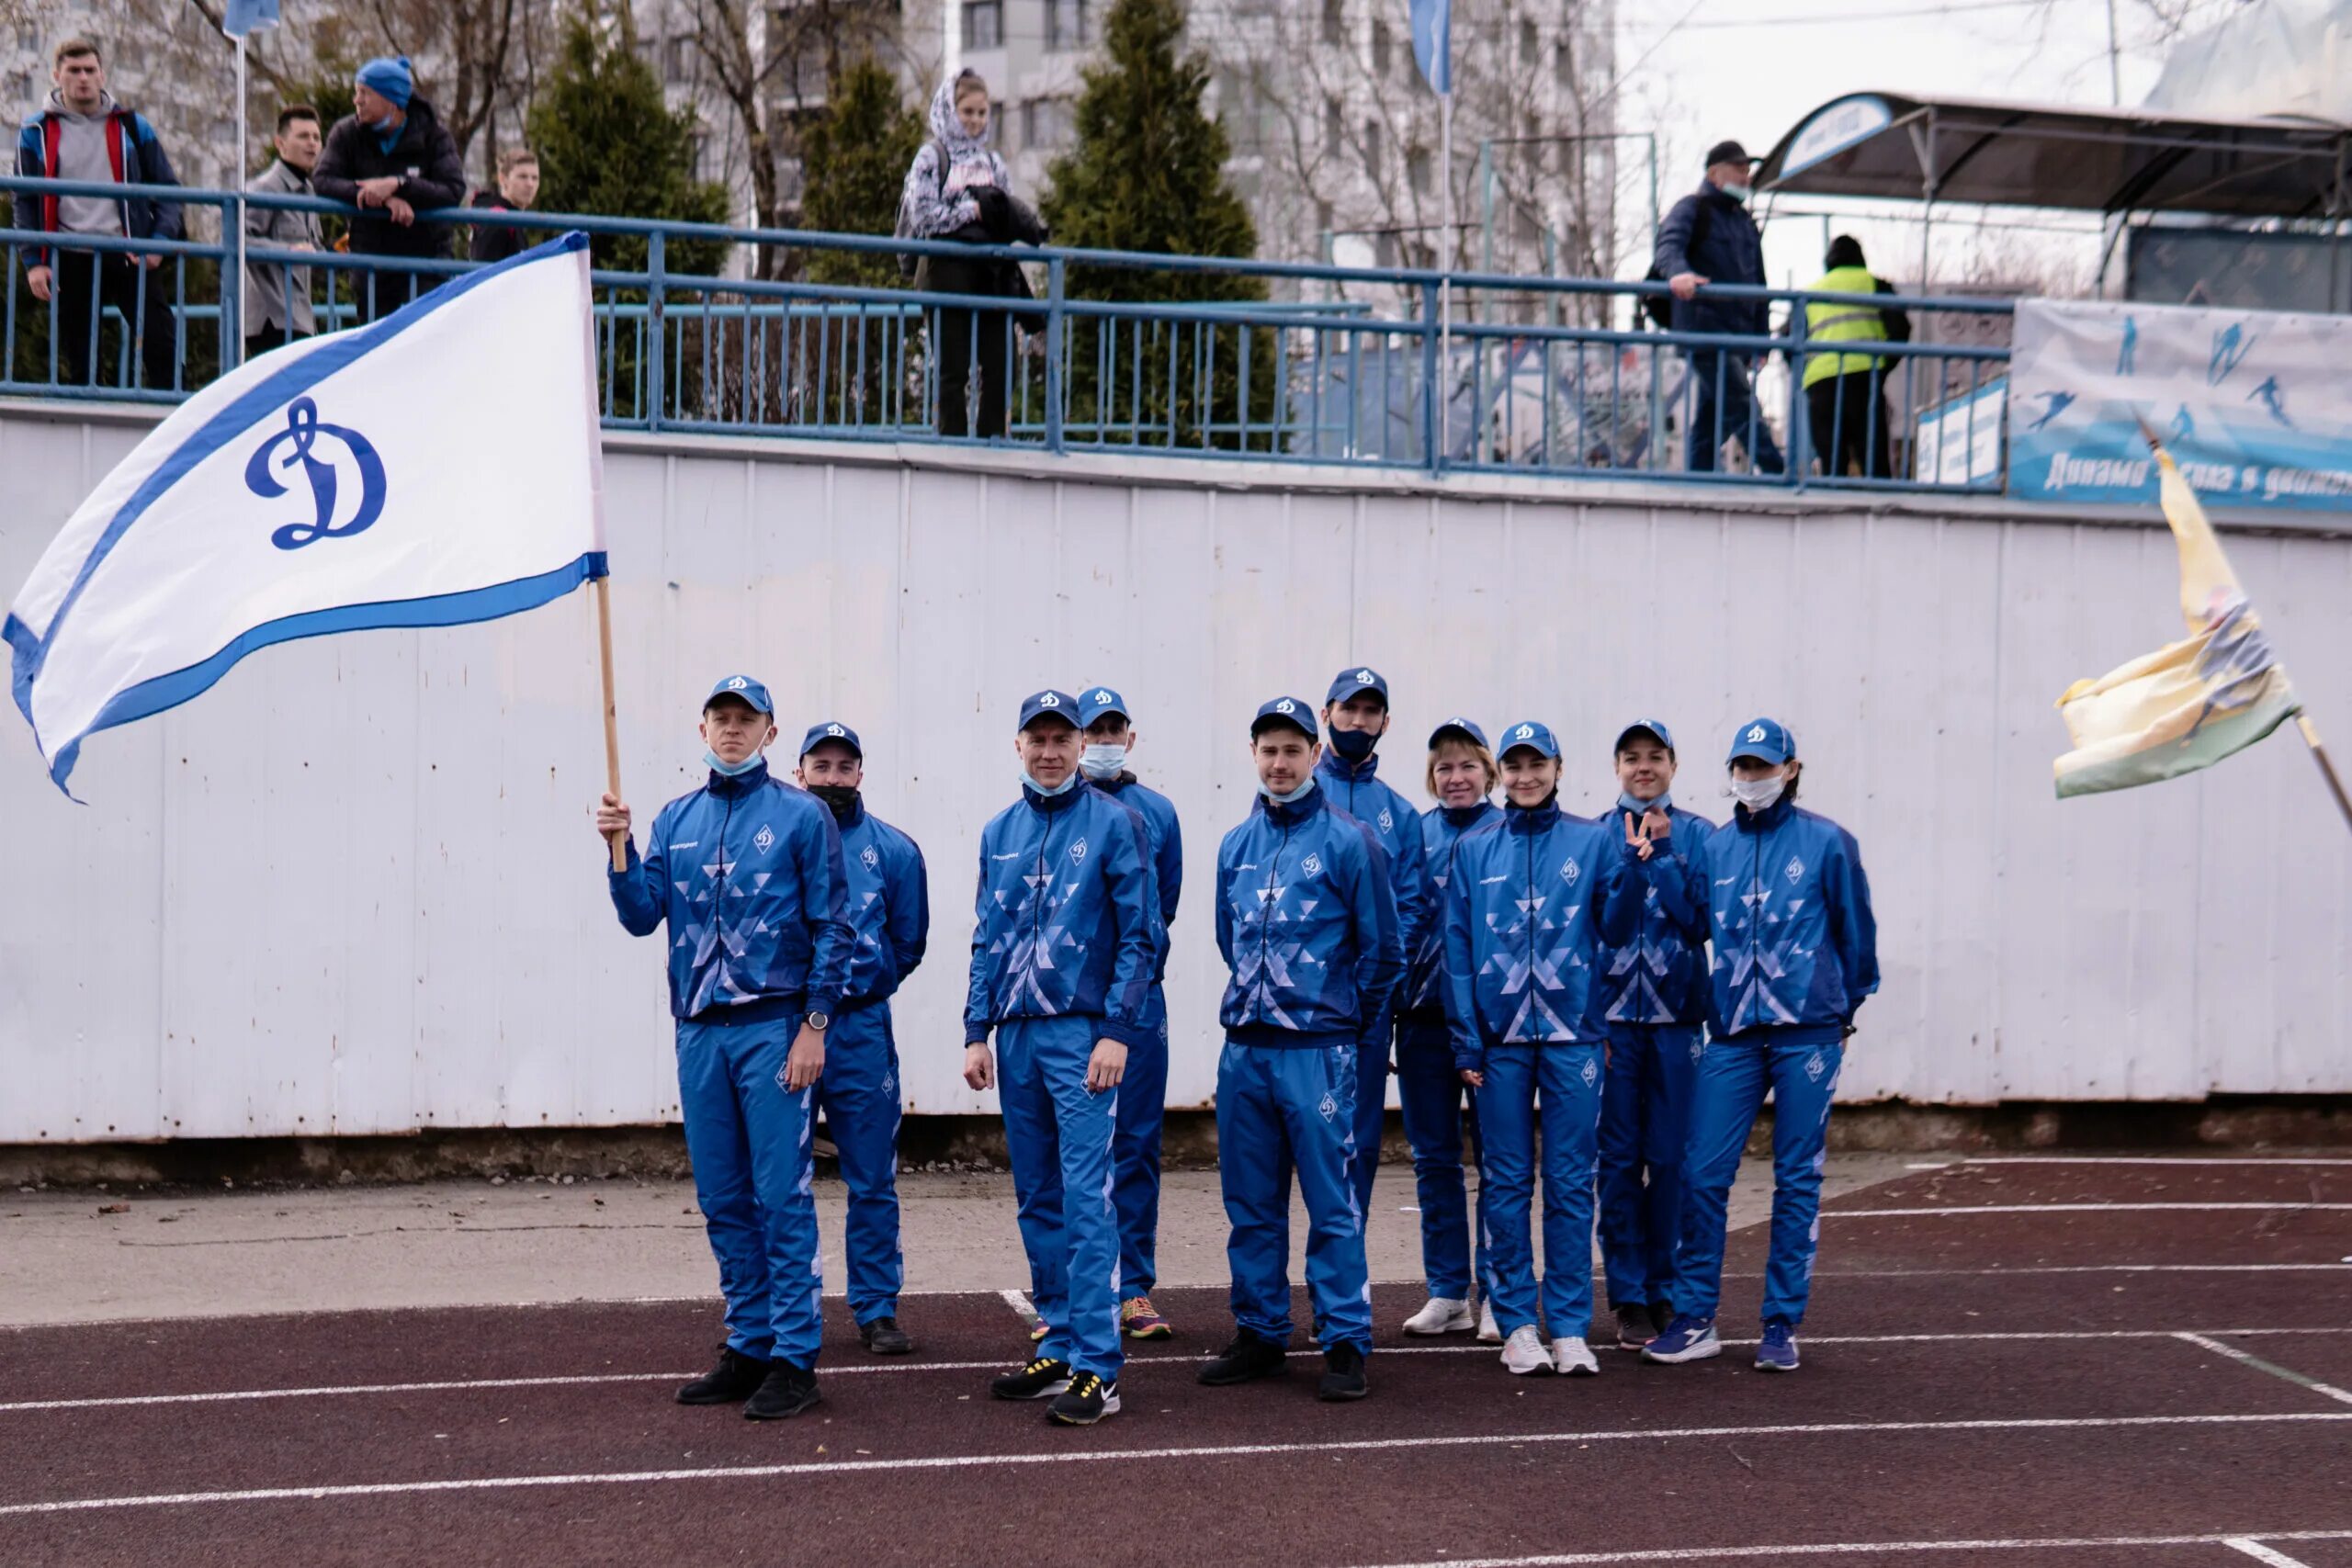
(2192, 702)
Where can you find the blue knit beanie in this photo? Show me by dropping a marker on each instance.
(391, 78)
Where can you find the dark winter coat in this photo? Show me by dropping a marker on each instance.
(425, 162)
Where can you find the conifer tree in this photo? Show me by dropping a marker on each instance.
(855, 159)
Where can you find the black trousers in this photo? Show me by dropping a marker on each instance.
(382, 291)
(269, 337)
(84, 281)
(1849, 424)
(968, 342)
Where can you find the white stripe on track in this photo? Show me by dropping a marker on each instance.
(870, 1369)
(1799, 1552)
(2262, 1553)
(2283, 1160)
(1946, 1211)
(1112, 1456)
(2325, 1390)
(1019, 1302)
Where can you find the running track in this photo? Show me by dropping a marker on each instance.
(2008, 1362)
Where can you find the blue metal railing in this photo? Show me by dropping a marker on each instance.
(1368, 377)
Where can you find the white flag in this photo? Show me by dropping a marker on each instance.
(442, 465)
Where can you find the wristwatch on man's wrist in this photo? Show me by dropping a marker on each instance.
(818, 1022)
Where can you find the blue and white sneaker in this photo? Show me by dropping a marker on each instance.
(1686, 1339)
(1778, 1351)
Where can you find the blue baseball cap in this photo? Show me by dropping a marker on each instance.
(742, 686)
(1664, 735)
(1766, 739)
(1532, 734)
(1348, 682)
(1049, 704)
(1096, 701)
(1291, 711)
(1458, 725)
(832, 730)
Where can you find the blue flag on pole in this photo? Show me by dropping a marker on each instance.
(441, 466)
(239, 17)
(1433, 43)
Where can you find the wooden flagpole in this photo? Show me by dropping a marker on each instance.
(2326, 766)
(612, 714)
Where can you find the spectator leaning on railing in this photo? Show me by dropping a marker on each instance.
(391, 157)
(278, 297)
(83, 134)
(1708, 237)
(518, 186)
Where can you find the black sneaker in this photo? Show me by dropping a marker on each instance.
(1246, 1359)
(884, 1337)
(787, 1391)
(1087, 1400)
(1038, 1380)
(1343, 1376)
(734, 1378)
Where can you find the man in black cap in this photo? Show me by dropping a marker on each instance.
(1708, 237)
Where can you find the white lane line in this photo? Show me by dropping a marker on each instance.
(2284, 1160)
(1112, 1456)
(1801, 1552)
(2327, 1390)
(1998, 1272)
(872, 1369)
(1947, 1211)
(1019, 1302)
(2262, 1553)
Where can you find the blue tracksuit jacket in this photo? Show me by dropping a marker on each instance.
(889, 906)
(1659, 975)
(747, 871)
(1307, 924)
(1167, 842)
(1355, 788)
(1424, 992)
(1068, 916)
(1789, 909)
(1532, 900)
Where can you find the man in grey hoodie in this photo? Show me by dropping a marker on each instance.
(85, 135)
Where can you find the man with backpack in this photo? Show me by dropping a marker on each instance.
(1709, 238)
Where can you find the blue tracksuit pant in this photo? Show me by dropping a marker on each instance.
(1135, 1157)
(1372, 1118)
(1058, 1137)
(747, 1138)
(1279, 1109)
(859, 1095)
(1438, 1111)
(1560, 1087)
(1801, 1073)
(1645, 1121)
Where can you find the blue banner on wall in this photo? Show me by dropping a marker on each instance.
(2254, 405)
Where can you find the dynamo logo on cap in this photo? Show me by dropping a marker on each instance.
(1286, 706)
(1101, 696)
(1755, 732)
(1049, 701)
(835, 729)
(1364, 677)
(737, 684)
(1524, 732)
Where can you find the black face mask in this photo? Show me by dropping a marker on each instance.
(1353, 745)
(840, 799)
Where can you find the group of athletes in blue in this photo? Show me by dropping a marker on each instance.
(1597, 1005)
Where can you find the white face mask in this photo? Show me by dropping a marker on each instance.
(1103, 762)
(1738, 193)
(1758, 794)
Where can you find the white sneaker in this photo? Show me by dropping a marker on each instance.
(1441, 1314)
(1523, 1352)
(1573, 1358)
(1489, 1332)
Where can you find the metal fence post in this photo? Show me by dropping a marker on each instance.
(1432, 401)
(657, 381)
(1055, 333)
(233, 289)
(1800, 453)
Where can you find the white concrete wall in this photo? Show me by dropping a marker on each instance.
(353, 888)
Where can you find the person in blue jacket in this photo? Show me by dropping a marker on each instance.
(1355, 711)
(889, 909)
(746, 872)
(1788, 908)
(1110, 743)
(1064, 953)
(1654, 990)
(1437, 1104)
(1531, 904)
(1307, 925)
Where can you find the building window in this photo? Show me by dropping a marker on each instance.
(1323, 218)
(1372, 163)
(1334, 127)
(1531, 48)
(983, 24)
(680, 61)
(1381, 51)
(1048, 124)
(1417, 169)
(1564, 65)
(1334, 21)
(1068, 24)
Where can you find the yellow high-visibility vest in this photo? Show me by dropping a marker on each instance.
(1829, 322)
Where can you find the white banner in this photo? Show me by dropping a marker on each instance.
(2254, 405)
(442, 465)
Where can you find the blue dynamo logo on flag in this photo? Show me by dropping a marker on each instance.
(196, 550)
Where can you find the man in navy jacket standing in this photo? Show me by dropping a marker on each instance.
(1064, 953)
(1708, 237)
(889, 909)
(746, 872)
